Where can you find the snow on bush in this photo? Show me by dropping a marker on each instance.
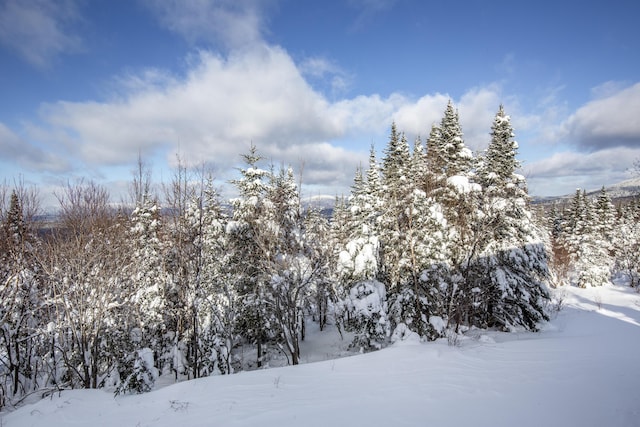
(366, 311)
(144, 373)
(402, 334)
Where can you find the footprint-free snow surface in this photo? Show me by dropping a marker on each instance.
(583, 369)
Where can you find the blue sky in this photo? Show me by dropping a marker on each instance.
(87, 84)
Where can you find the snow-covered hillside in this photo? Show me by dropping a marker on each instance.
(628, 188)
(581, 370)
(620, 190)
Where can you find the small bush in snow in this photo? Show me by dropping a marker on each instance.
(143, 374)
(366, 311)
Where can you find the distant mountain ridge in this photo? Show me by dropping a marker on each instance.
(619, 191)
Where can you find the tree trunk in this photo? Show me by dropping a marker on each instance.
(259, 361)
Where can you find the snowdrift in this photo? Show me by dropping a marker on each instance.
(580, 370)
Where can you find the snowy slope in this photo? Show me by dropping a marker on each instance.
(581, 370)
(628, 188)
(620, 190)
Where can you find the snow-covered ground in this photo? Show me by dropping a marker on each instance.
(583, 369)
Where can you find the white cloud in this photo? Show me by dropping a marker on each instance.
(256, 95)
(318, 67)
(562, 173)
(325, 74)
(609, 121)
(476, 107)
(416, 118)
(38, 30)
(232, 23)
(213, 114)
(607, 89)
(26, 154)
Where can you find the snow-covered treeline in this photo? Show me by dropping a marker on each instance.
(431, 241)
(594, 240)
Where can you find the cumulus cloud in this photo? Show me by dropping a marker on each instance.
(476, 108)
(561, 173)
(213, 114)
(608, 121)
(39, 30)
(416, 118)
(326, 74)
(231, 23)
(259, 95)
(27, 155)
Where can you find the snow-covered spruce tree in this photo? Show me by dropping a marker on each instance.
(497, 172)
(572, 224)
(339, 237)
(397, 189)
(359, 264)
(560, 261)
(247, 255)
(358, 257)
(435, 161)
(292, 269)
(22, 347)
(142, 374)
(322, 291)
(509, 271)
(456, 157)
(216, 298)
(627, 243)
(181, 263)
(590, 256)
(207, 296)
(458, 195)
(148, 282)
(367, 308)
(605, 218)
(412, 239)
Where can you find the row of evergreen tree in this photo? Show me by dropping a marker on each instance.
(431, 241)
(593, 240)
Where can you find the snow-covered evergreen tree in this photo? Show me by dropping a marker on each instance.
(359, 258)
(510, 272)
(512, 269)
(147, 272)
(21, 306)
(412, 237)
(497, 170)
(627, 243)
(290, 266)
(217, 298)
(211, 298)
(248, 254)
(457, 195)
(367, 305)
(605, 218)
(323, 290)
(397, 184)
(591, 258)
(435, 161)
(456, 157)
